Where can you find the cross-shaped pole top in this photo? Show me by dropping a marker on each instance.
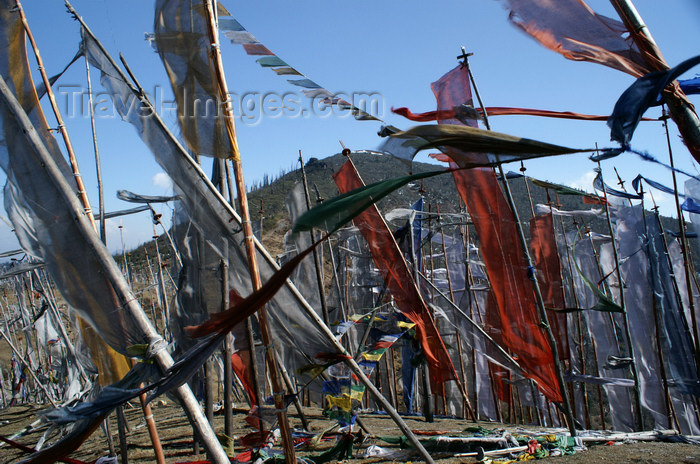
(464, 56)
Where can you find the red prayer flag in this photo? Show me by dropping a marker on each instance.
(514, 321)
(390, 261)
(546, 258)
(500, 111)
(240, 362)
(573, 29)
(257, 49)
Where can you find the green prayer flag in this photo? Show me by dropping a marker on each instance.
(605, 303)
(271, 61)
(332, 214)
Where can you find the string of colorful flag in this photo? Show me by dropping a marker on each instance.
(239, 35)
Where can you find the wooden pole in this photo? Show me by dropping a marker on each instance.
(262, 217)
(687, 262)
(670, 411)
(228, 367)
(165, 305)
(527, 186)
(458, 338)
(98, 165)
(628, 335)
(672, 416)
(429, 400)
(599, 390)
(317, 259)
(109, 267)
(680, 108)
(194, 167)
(30, 368)
(272, 371)
(331, 256)
(391, 372)
(538, 294)
(82, 193)
(2, 389)
(579, 320)
(475, 308)
(292, 389)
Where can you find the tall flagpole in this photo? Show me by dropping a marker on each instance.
(98, 166)
(196, 170)
(82, 194)
(317, 259)
(639, 420)
(235, 157)
(687, 262)
(566, 405)
(111, 270)
(680, 108)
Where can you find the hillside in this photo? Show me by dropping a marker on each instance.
(439, 191)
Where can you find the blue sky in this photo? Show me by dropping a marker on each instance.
(394, 49)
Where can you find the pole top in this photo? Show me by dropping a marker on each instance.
(464, 57)
(346, 151)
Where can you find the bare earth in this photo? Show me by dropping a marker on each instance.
(176, 436)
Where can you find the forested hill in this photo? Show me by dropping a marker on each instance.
(269, 195)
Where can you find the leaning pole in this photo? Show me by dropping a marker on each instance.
(45, 161)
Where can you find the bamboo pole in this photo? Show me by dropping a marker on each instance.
(579, 320)
(196, 169)
(228, 368)
(290, 387)
(272, 371)
(458, 338)
(98, 165)
(30, 369)
(635, 374)
(670, 410)
(538, 294)
(56, 316)
(334, 267)
(162, 291)
(112, 272)
(680, 108)
(317, 259)
(599, 390)
(82, 193)
(250, 336)
(152, 431)
(687, 263)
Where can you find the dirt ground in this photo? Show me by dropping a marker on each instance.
(176, 436)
